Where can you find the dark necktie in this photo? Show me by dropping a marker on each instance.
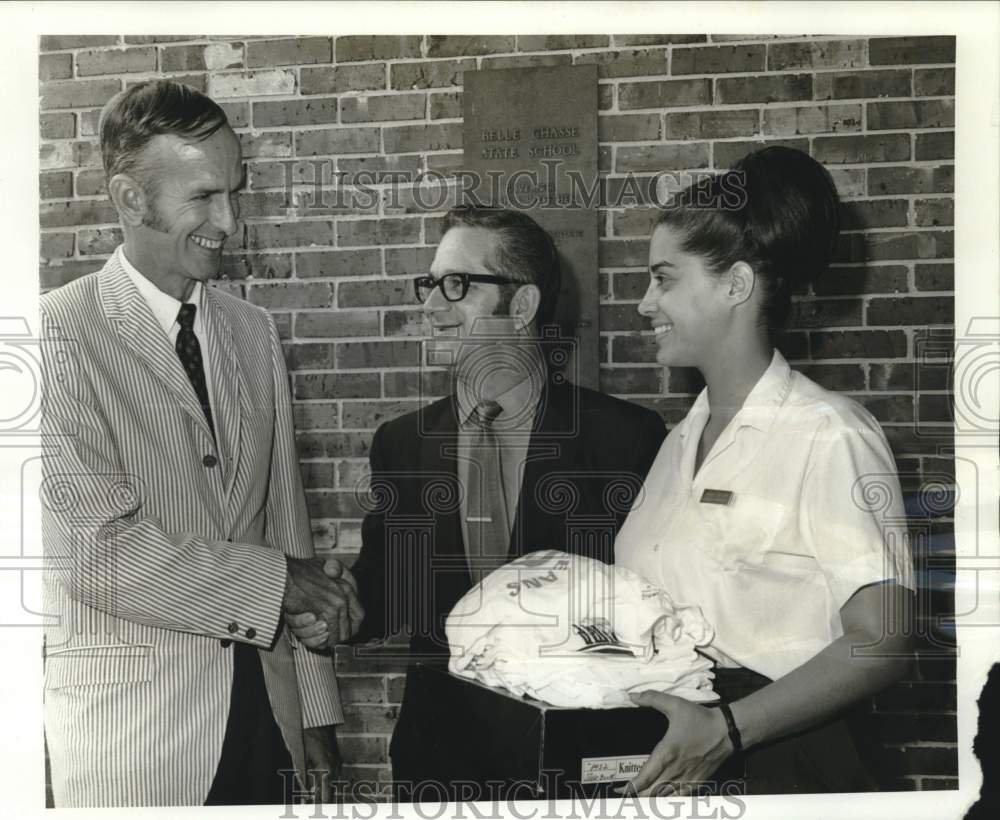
(189, 352)
(486, 518)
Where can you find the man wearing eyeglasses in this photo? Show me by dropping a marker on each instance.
(516, 459)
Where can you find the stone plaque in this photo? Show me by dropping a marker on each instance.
(530, 143)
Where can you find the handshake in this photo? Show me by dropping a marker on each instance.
(321, 602)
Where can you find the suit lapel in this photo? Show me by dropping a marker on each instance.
(439, 455)
(140, 333)
(530, 521)
(229, 380)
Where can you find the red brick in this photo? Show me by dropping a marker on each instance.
(336, 141)
(337, 385)
(310, 355)
(664, 94)
(333, 445)
(257, 265)
(717, 59)
(57, 126)
(116, 61)
(935, 277)
(378, 232)
(727, 154)
(359, 749)
(836, 377)
(884, 116)
(631, 380)
(630, 285)
(374, 293)
(317, 475)
(56, 246)
(251, 83)
(58, 185)
(913, 310)
(408, 139)
(635, 222)
(446, 105)
(852, 344)
(630, 63)
(437, 74)
(764, 89)
(426, 383)
(292, 295)
(316, 416)
(933, 409)
(850, 182)
(816, 54)
(326, 504)
(874, 213)
(314, 111)
(938, 179)
(405, 323)
(87, 212)
(297, 51)
(662, 157)
(55, 67)
(628, 253)
(546, 42)
(466, 46)
(910, 50)
(935, 145)
(336, 324)
(689, 125)
(56, 276)
(628, 127)
(99, 242)
(525, 61)
(934, 82)
(408, 261)
(375, 170)
(339, 79)
(148, 39)
(812, 119)
(793, 345)
(861, 84)
(826, 313)
(338, 263)
(634, 348)
(367, 355)
(619, 317)
(919, 245)
(862, 148)
(201, 57)
(60, 42)
(367, 720)
(375, 108)
(847, 281)
(78, 93)
(888, 409)
(934, 212)
(289, 234)
(376, 47)
(368, 415)
(658, 39)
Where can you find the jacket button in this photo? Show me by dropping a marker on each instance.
(251, 633)
(233, 628)
(209, 460)
(225, 643)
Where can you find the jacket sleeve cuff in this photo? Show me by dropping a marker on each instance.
(318, 689)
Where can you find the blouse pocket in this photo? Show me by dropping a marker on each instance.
(742, 532)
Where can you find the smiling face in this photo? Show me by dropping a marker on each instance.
(685, 303)
(193, 208)
(464, 250)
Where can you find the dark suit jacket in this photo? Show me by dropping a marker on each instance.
(587, 459)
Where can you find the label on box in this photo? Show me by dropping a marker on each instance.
(610, 769)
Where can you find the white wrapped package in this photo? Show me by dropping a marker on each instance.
(572, 631)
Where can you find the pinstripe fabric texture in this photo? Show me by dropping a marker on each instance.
(156, 549)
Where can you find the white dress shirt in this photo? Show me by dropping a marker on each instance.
(165, 309)
(808, 511)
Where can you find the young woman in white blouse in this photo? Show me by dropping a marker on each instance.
(774, 505)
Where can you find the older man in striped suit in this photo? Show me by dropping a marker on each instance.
(175, 526)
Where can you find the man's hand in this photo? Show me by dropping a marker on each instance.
(329, 600)
(695, 745)
(322, 760)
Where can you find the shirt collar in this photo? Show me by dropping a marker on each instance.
(519, 403)
(758, 410)
(164, 307)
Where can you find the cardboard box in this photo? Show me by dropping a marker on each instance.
(498, 744)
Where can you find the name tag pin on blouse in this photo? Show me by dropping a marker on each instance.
(723, 497)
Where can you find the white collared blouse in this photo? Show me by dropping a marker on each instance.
(808, 510)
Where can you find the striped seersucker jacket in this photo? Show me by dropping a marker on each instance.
(161, 550)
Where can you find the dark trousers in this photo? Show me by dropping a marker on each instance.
(825, 758)
(253, 750)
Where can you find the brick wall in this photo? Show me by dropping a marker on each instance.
(878, 111)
